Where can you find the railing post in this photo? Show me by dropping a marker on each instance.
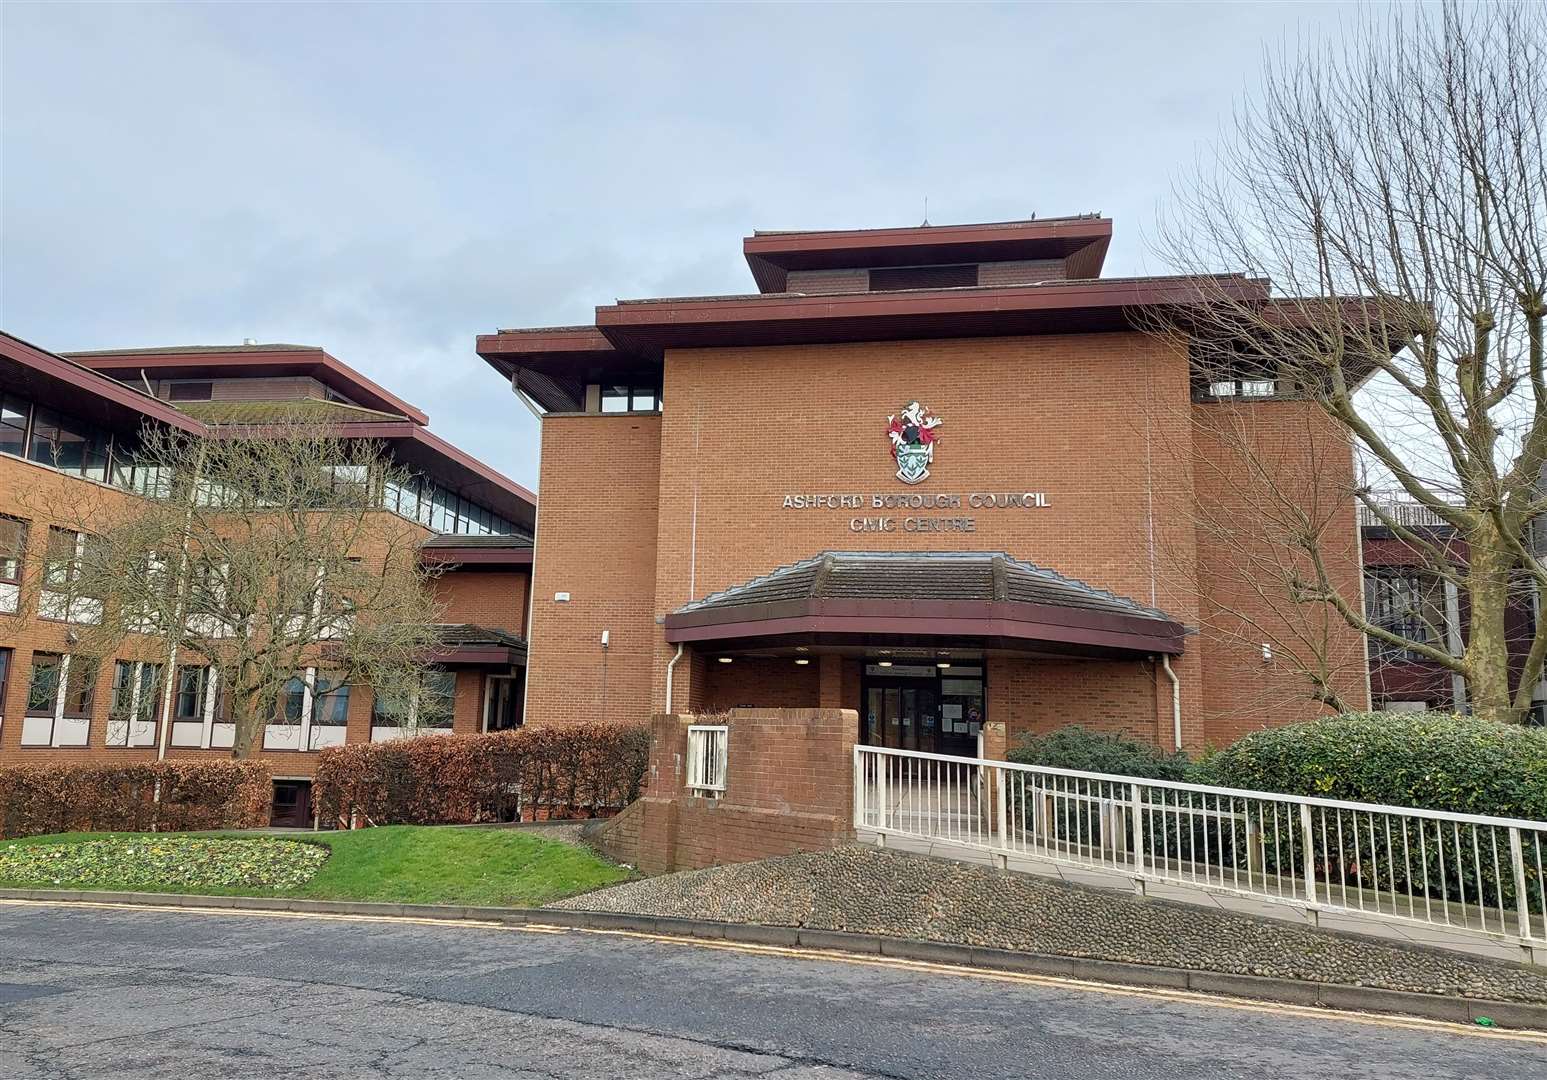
(1137, 796)
(1307, 843)
(1518, 864)
(882, 803)
(859, 788)
(1002, 805)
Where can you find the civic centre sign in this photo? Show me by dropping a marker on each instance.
(912, 435)
(917, 500)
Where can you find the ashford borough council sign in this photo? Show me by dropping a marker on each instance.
(913, 435)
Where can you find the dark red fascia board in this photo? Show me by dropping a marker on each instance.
(1005, 619)
(81, 378)
(316, 363)
(648, 326)
(475, 556)
(581, 352)
(772, 255)
(512, 500)
(482, 655)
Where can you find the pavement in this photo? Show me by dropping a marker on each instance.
(92, 991)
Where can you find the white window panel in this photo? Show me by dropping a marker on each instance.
(187, 733)
(222, 736)
(10, 598)
(37, 731)
(72, 731)
(282, 737)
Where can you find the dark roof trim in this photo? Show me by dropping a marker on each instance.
(449, 555)
(1008, 620)
(479, 656)
(771, 255)
(236, 361)
(84, 379)
(647, 327)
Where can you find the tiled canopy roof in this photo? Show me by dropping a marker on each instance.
(930, 575)
(470, 634)
(861, 597)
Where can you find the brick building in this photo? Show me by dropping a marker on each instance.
(68, 428)
(937, 475)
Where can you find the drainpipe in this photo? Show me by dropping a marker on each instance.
(1176, 701)
(670, 667)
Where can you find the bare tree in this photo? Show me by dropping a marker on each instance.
(258, 553)
(1386, 196)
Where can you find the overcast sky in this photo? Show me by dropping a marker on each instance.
(389, 181)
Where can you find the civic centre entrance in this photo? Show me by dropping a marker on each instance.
(935, 708)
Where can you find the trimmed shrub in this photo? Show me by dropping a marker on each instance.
(36, 799)
(529, 774)
(1080, 748)
(1435, 761)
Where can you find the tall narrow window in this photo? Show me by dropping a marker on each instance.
(5, 677)
(131, 714)
(64, 598)
(13, 554)
(59, 698)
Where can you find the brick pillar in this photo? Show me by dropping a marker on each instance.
(995, 742)
(830, 683)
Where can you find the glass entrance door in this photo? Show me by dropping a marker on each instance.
(922, 707)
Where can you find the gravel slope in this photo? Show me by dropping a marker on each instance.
(873, 891)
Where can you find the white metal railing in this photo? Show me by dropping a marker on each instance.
(1405, 512)
(707, 758)
(1464, 871)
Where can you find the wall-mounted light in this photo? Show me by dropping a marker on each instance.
(561, 598)
(606, 638)
(724, 659)
(1267, 653)
(801, 660)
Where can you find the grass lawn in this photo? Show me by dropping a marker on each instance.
(395, 863)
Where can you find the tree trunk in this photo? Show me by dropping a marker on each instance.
(1487, 648)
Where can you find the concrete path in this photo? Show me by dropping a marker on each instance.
(99, 992)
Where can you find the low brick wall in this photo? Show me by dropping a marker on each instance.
(788, 788)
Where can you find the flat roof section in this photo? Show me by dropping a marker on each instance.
(1081, 240)
(238, 361)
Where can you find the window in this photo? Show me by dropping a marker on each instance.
(59, 699)
(68, 445)
(13, 424)
(618, 398)
(190, 391)
(891, 278)
(1250, 387)
(1409, 605)
(43, 688)
(188, 702)
(131, 713)
(291, 705)
(69, 553)
(437, 699)
(13, 555)
(330, 701)
(5, 676)
(707, 759)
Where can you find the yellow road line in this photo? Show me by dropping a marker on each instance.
(1189, 997)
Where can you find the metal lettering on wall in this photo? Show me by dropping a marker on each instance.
(917, 500)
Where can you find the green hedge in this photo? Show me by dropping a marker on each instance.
(1436, 761)
(1079, 748)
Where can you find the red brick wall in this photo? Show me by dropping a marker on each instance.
(596, 540)
(788, 788)
(1123, 697)
(484, 598)
(761, 683)
(1068, 415)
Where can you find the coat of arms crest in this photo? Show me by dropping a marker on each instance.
(912, 434)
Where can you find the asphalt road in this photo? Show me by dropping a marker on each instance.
(99, 992)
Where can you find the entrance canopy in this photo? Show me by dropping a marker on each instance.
(977, 599)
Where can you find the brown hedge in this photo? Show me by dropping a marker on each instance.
(36, 799)
(529, 774)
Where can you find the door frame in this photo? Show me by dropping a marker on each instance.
(955, 745)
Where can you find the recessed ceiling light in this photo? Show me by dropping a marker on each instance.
(942, 663)
(884, 663)
(802, 660)
(725, 659)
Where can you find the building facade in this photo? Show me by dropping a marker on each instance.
(939, 475)
(69, 426)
